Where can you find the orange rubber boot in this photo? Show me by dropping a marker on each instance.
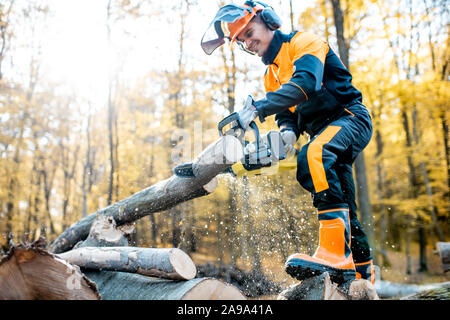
(333, 254)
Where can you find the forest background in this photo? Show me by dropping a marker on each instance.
(98, 99)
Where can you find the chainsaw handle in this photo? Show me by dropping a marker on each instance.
(255, 129)
(227, 120)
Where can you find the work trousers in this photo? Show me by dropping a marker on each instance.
(324, 168)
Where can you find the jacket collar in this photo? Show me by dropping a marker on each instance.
(273, 49)
(275, 45)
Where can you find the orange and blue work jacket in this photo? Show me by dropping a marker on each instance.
(306, 83)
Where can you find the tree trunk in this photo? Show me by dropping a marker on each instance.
(291, 16)
(380, 187)
(128, 286)
(87, 167)
(422, 245)
(387, 289)
(407, 246)
(343, 46)
(413, 186)
(48, 177)
(163, 195)
(426, 180)
(359, 165)
(364, 200)
(445, 132)
(154, 228)
(444, 254)
(169, 263)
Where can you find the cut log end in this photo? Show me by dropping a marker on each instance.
(182, 264)
(211, 185)
(213, 289)
(30, 273)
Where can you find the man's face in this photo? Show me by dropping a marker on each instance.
(256, 37)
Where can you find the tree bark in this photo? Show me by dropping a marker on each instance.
(163, 195)
(445, 131)
(444, 254)
(343, 46)
(128, 286)
(87, 167)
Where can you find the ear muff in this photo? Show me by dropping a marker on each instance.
(270, 18)
(268, 15)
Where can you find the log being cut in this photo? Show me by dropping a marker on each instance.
(216, 158)
(171, 263)
(130, 286)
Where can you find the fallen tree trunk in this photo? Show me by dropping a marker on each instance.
(440, 293)
(168, 263)
(163, 195)
(30, 273)
(129, 286)
(387, 289)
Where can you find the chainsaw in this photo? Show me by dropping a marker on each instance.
(265, 155)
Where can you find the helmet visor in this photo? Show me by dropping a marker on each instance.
(218, 30)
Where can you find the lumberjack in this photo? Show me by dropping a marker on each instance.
(309, 90)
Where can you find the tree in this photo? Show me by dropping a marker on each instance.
(360, 165)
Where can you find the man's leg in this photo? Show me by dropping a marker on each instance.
(359, 243)
(316, 172)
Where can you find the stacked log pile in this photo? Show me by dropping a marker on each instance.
(92, 260)
(108, 272)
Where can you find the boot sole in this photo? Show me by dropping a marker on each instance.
(302, 269)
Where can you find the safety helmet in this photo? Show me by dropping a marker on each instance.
(231, 19)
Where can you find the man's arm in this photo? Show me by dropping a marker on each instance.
(287, 120)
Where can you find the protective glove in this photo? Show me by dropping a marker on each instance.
(248, 113)
(289, 139)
